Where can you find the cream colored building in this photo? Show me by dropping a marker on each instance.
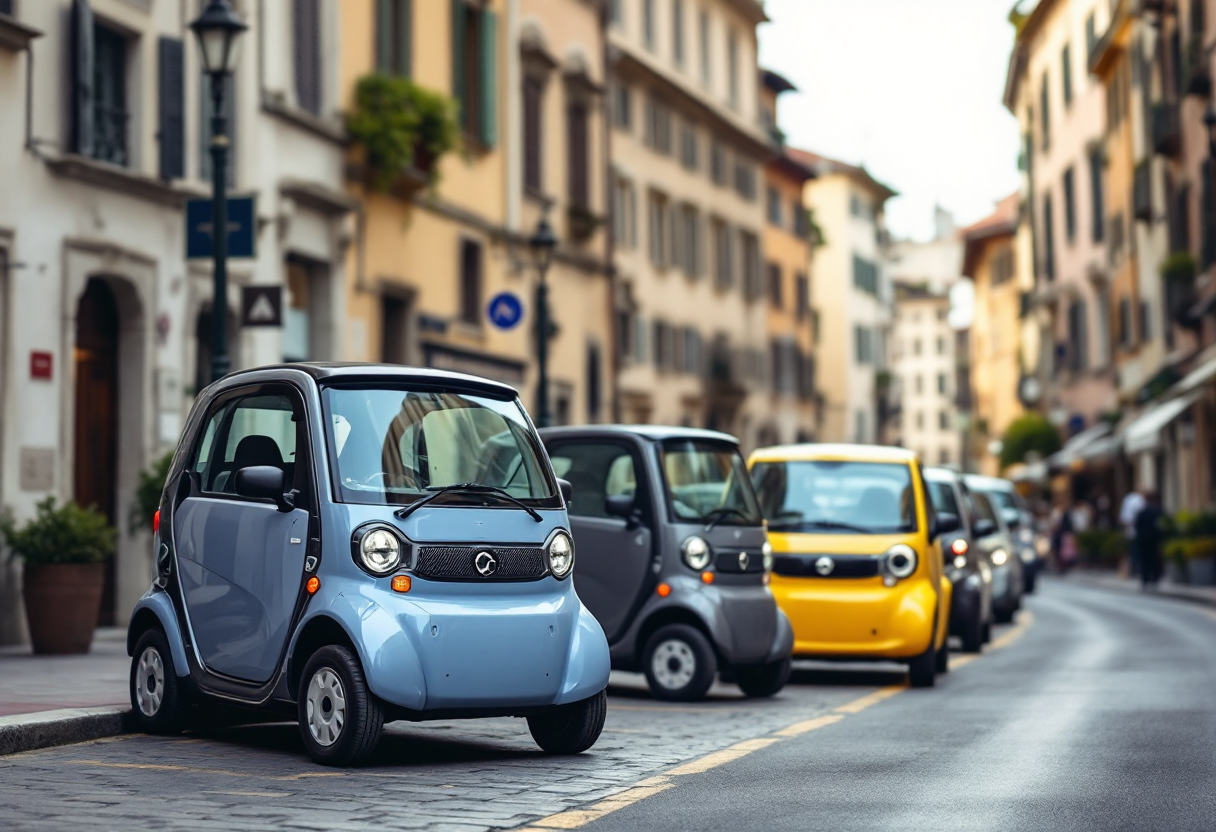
(853, 299)
(688, 153)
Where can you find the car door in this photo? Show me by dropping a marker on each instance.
(612, 554)
(242, 560)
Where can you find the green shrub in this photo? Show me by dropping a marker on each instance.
(401, 125)
(147, 494)
(1179, 267)
(1027, 433)
(1101, 546)
(60, 534)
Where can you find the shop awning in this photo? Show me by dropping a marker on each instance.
(1075, 447)
(1144, 434)
(1199, 376)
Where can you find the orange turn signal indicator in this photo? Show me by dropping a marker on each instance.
(314, 583)
(156, 522)
(707, 577)
(401, 583)
(664, 590)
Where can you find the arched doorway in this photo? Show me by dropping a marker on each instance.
(96, 419)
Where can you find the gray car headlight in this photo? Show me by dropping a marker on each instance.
(560, 553)
(696, 552)
(901, 561)
(380, 551)
(1000, 557)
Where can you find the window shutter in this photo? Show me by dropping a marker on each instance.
(458, 79)
(307, 46)
(171, 103)
(82, 77)
(405, 31)
(6, 7)
(384, 35)
(488, 82)
(577, 155)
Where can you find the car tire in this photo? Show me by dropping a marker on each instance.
(987, 631)
(341, 720)
(158, 698)
(680, 664)
(972, 634)
(922, 670)
(941, 660)
(1031, 577)
(1003, 615)
(763, 681)
(570, 729)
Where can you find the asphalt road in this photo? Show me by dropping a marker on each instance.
(1098, 711)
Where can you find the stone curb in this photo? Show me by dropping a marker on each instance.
(27, 732)
(1118, 584)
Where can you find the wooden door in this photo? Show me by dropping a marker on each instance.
(96, 422)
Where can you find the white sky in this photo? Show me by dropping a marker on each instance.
(912, 88)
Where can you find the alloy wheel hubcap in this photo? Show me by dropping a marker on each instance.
(674, 664)
(326, 703)
(150, 682)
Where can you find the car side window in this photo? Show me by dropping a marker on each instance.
(262, 429)
(596, 471)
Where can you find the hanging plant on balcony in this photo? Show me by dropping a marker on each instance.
(1179, 267)
(402, 128)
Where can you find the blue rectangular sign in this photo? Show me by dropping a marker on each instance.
(242, 228)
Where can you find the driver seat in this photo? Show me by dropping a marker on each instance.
(254, 449)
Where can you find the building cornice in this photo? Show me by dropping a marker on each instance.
(15, 35)
(120, 180)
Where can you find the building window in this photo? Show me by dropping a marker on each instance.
(774, 207)
(1078, 337)
(941, 346)
(865, 275)
(659, 224)
(1146, 321)
(1104, 319)
(475, 70)
(1066, 73)
(1126, 334)
(802, 298)
(648, 24)
(703, 29)
(732, 66)
(718, 163)
(618, 13)
(863, 346)
(624, 214)
(1045, 112)
(688, 241)
(775, 289)
(1049, 240)
(724, 255)
(916, 346)
(622, 107)
(471, 283)
(677, 31)
(394, 36)
(534, 93)
(944, 456)
(1002, 265)
(110, 116)
(690, 358)
(745, 179)
(749, 245)
(1070, 206)
(306, 43)
(920, 385)
(943, 420)
(577, 155)
(942, 384)
(657, 126)
(1091, 33)
(920, 421)
(690, 150)
(861, 426)
(663, 345)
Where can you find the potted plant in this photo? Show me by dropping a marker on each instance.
(63, 549)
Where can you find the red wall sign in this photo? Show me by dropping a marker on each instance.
(41, 365)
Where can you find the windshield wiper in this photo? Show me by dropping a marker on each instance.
(721, 513)
(467, 488)
(834, 524)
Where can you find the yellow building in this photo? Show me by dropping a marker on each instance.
(793, 416)
(426, 262)
(990, 261)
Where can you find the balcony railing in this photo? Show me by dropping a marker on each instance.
(1167, 130)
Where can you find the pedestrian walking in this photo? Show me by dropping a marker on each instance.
(1063, 538)
(1131, 506)
(1149, 539)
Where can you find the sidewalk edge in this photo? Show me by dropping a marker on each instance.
(1103, 582)
(28, 732)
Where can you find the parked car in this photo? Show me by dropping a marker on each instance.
(1027, 541)
(357, 544)
(857, 564)
(673, 557)
(968, 569)
(996, 542)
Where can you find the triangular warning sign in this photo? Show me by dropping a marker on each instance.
(261, 310)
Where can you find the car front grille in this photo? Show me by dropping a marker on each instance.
(459, 563)
(843, 566)
(730, 560)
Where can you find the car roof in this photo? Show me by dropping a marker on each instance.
(988, 483)
(353, 371)
(835, 453)
(655, 433)
(942, 475)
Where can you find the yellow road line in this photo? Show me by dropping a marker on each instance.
(721, 758)
(800, 728)
(859, 705)
(575, 818)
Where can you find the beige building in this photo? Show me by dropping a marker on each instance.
(688, 151)
(853, 298)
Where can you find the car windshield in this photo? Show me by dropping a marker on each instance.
(707, 482)
(823, 497)
(1003, 499)
(393, 446)
(943, 498)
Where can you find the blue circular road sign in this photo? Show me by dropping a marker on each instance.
(505, 310)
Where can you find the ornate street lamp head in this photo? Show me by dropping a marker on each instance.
(542, 243)
(218, 30)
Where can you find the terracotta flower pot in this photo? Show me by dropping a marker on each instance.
(61, 605)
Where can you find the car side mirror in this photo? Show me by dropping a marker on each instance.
(946, 523)
(619, 505)
(983, 528)
(1012, 517)
(567, 490)
(264, 482)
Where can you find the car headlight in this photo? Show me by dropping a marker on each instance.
(767, 551)
(960, 562)
(901, 561)
(1000, 557)
(379, 551)
(1026, 536)
(560, 552)
(1026, 554)
(696, 552)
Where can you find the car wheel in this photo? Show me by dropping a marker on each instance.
(972, 634)
(1030, 581)
(941, 661)
(922, 670)
(340, 719)
(157, 698)
(987, 631)
(765, 680)
(1003, 615)
(570, 729)
(680, 664)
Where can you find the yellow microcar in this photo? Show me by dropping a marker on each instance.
(857, 566)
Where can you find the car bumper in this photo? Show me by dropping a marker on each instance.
(966, 603)
(862, 618)
(454, 646)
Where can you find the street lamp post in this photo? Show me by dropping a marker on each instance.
(218, 30)
(542, 243)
